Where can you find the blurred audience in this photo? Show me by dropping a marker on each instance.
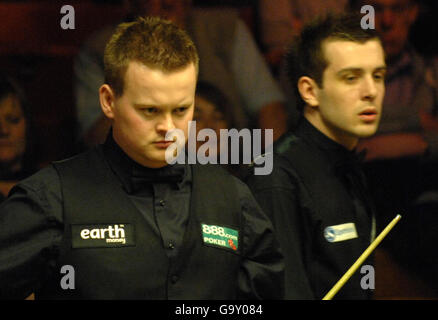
(213, 111)
(281, 20)
(229, 59)
(402, 158)
(16, 160)
(406, 143)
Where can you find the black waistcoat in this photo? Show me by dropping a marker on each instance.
(326, 201)
(140, 268)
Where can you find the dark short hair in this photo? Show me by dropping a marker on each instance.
(155, 42)
(305, 56)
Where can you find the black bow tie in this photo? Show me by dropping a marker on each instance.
(142, 176)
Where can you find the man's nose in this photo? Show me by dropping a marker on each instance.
(369, 89)
(166, 123)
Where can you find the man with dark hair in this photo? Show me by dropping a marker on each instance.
(316, 195)
(127, 224)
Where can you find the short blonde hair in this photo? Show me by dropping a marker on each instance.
(155, 42)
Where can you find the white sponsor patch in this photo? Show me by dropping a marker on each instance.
(340, 232)
(102, 235)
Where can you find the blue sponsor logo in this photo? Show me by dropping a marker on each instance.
(329, 234)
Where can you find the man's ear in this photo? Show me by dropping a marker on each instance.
(308, 91)
(107, 99)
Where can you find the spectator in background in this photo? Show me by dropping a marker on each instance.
(281, 20)
(402, 156)
(213, 111)
(15, 139)
(229, 59)
(408, 133)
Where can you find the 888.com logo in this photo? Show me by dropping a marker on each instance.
(214, 230)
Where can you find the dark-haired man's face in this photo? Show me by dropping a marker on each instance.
(394, 19)
(349, 104)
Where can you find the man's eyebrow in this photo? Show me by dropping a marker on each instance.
(382, 68)
(185, 105)
(358, 70)
(348, 70)
(144, 105)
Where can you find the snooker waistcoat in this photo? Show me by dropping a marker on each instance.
(115, 254)
(322, 208)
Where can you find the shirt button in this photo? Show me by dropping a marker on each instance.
(174, 279)
(162, 202)
(171, 245)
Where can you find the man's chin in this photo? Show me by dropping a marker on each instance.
(154, 161)
(154, 164)
(366, 133)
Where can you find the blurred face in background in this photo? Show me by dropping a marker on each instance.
(12, 131)
(394, 19)
(208, 116)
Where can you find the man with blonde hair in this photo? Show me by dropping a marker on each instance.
(127, 224)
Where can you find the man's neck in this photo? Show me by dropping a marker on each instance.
(347, 141)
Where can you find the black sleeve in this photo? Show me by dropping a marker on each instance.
(30, 227)
(261, 274)
(278, 195)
